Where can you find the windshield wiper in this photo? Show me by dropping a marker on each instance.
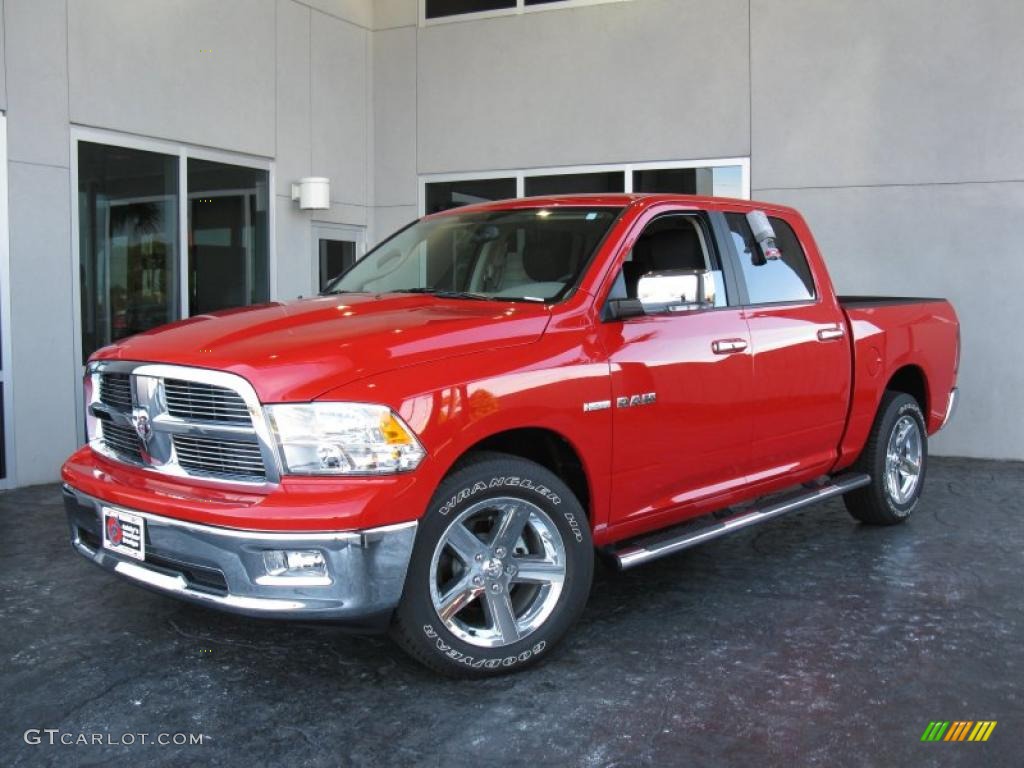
(443, 293)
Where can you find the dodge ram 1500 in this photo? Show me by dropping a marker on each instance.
(442, 441)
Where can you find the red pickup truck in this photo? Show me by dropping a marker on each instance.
(441, 442)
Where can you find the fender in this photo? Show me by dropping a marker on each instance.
(543, 385)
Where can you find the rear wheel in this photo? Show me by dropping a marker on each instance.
(896, 457)
(501, 569)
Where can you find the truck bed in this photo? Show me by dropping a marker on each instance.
(904, 337)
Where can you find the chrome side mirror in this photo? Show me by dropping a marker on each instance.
(676, 290)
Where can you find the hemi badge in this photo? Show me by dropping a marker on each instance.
(597, 405)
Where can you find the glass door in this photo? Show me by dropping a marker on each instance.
(228, 248)
(128, 242)
(335, 249)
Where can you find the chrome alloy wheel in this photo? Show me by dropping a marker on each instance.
(903, 460)
(497, 572)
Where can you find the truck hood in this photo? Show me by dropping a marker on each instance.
(296, 351)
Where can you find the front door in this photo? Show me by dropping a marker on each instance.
(679, 382)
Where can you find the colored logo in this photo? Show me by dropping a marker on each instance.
(958, 730)
(114, 532)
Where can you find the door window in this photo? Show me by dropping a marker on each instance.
(774, 281)
(673, 242)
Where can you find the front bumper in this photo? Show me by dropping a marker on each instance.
(224, 568)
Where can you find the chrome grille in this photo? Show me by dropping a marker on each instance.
(123, 442)
(116, 390)
(195, 422)
(221, 458)
(204, 402)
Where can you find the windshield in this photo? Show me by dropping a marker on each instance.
(532, 254)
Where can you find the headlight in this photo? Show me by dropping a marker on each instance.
(343, 439)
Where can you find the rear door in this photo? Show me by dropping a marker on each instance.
(680, 382)
(801, 358)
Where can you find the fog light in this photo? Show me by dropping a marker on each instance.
(294, 563)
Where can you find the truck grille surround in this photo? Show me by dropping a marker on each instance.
(185, 422)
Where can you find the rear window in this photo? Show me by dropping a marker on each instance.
(777, 281)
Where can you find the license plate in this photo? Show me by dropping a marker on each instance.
(124, 533)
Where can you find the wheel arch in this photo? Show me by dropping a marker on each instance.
(910, 379)
(544, 446)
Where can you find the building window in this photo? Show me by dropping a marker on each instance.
(134, 271)
(727, 177)
(228, 248)
(336, 256)
(575, 183)
(128, 242)
(433, 10)
(436, 9)
(721, 181)
(442, 195)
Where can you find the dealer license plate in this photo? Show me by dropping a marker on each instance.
(124, 533)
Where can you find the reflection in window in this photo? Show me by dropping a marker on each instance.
(228, 228)
(442, 195)
(787, 279)
(438, 8)
(575, 183)
(128, 242)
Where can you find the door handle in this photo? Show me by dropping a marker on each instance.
(728, 346)
(831, 334)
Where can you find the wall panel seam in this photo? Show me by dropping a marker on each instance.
(355, 24)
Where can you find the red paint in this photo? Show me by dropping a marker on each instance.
(724, 429)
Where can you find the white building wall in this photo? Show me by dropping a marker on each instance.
(280, 79)
(894, 127)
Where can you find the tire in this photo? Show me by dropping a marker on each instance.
(508, 597)
(895, 488)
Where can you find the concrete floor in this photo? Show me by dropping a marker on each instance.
(809, 641)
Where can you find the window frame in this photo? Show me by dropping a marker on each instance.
(740, 277)
(10, 476)
(183, 152)
(520, 8)
(520, 174)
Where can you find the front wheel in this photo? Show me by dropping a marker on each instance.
(896, 457)
(501, 569)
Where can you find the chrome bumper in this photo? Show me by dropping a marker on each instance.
(224, 568)
(954, 396)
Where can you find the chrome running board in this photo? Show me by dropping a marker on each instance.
(652, 546)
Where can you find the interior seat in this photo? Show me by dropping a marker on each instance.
(678, 247)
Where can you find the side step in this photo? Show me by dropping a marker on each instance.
(662, 543)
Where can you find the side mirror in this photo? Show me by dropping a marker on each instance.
(622, 309)
(676, 290)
